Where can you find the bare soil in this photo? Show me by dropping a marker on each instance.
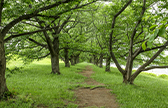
(94, 97)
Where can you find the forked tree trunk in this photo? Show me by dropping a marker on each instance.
(66, 58)
(3, 87)
(101, 61)
(108, 59)
(127, 80)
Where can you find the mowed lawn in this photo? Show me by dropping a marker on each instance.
(34, 87)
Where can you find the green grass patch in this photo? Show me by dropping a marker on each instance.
(164, 76)
(149, 91)
(34, 86)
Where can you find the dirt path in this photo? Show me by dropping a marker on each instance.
(95, 97)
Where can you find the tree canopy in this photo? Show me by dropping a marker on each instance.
(132, 33)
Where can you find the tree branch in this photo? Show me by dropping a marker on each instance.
(111, 35)
(38, 43)
(140, 69)
(140, 50)
(55, 17)
(154, 67)
(48, 39)
(30, 24)
(40, 56)
(63, 24)
(1, 8)
(26, 33)
(28, 16)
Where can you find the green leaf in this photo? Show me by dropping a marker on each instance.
(156, 32)
(152, 27)
(151, 38)
(148, 36)
(149, 44)
(162, 31)
(144, 46)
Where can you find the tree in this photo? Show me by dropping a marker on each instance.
(28, 10)
(136, 41)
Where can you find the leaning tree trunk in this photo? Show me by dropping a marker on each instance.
(3, 87)
(108, 59)
(66, 58)
(101, 61)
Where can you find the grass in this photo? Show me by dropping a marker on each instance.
(150, 91)
(35, 87)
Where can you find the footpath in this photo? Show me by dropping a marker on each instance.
(96, 97)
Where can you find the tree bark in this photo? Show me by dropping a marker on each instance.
(95, 62)
(101, 61)
(3, 87)
(108, 64)
(66, 58)
(72, 60)
(55, 56)
(76, 59)
(55, 64)
(94, 59)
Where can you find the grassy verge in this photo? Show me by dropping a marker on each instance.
(149, 92)
(34, 86)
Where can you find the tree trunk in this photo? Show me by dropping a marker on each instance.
(108, 59)
(77, 58)
(94, 59)
(101, 61)
(72, 60)
(3, 87)
(127, 80)
(90, 60)
(66, 58)
(55, 64)
(55, 56)
(97, 61)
